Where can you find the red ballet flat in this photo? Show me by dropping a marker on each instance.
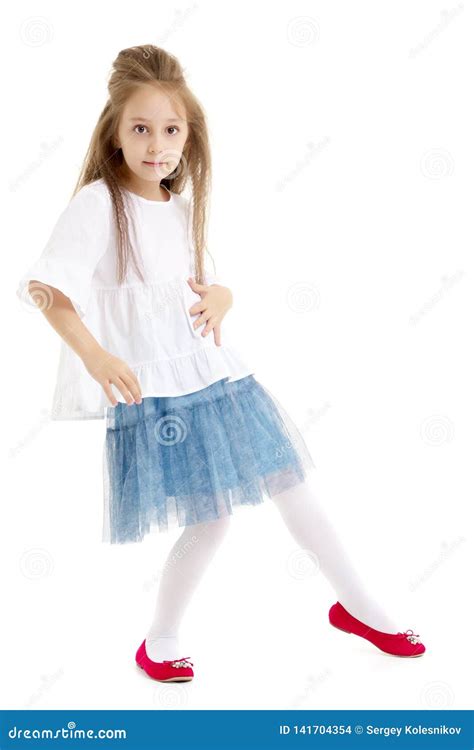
(173, 670)
(397, 644)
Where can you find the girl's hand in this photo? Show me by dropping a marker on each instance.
(106, 369)
(216, 301)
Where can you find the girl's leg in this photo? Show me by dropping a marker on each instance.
(184, 568)
(307, 522)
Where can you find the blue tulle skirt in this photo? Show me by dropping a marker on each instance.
(182, 460)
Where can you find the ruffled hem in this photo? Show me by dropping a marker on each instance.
(84, 398)
(180, 461)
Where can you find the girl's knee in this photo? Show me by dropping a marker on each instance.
(220, 526)
(215, 529)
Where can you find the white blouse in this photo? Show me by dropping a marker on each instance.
(147, 324)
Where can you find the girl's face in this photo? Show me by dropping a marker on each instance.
(151, 134)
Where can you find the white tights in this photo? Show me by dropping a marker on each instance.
(307, 522)
(184, 568)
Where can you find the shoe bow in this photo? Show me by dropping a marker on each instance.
(179, 662)
(411, 636)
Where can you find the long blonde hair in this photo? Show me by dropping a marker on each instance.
(133, 67)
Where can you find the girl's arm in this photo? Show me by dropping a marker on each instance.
(104, 367)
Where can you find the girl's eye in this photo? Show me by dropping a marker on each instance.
(171, 127)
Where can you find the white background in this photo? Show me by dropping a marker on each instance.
(341, 217)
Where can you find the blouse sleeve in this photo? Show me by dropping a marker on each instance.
(78, 241)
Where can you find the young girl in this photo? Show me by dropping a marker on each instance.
(191, 434)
